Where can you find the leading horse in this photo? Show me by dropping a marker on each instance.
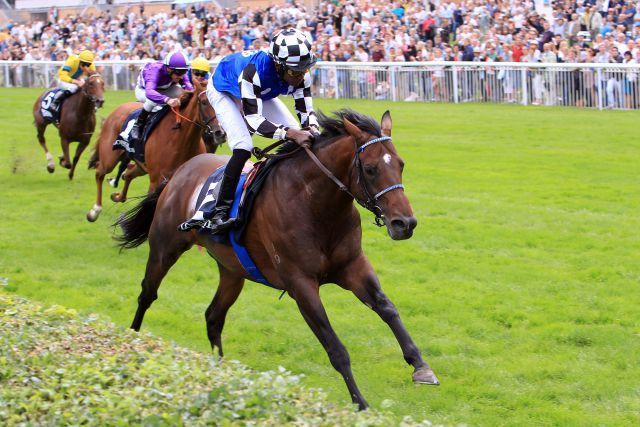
(303, 232)
(167, 147)
(77, 121)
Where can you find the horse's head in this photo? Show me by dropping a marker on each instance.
(378, 185)
(94, 89)
(213, 134)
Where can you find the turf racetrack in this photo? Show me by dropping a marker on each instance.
(520, 285)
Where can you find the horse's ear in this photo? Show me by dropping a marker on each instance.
(385, 123)
(352, 130)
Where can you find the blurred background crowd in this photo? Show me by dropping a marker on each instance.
(348, 30)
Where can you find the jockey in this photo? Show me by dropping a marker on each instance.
(71, 73)
(244, 93)
(200, 69)
(160, 82)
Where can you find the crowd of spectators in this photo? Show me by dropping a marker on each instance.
(574, 31)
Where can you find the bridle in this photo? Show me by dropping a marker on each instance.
(205, 126)
(93, 99)
(371, 203)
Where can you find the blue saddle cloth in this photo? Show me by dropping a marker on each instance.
(136, 151)
(241, 209)
(48, 109)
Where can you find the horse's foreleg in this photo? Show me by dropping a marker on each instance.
(51, 166)
(94, 212)
(64, 159)
(127, 177)
(307, 297)
(82, 145)
(163, 254)
(360, 278)
(228, 291)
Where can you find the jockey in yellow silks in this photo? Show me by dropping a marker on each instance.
(70, 75)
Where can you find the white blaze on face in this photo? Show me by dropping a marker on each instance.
(387, 158)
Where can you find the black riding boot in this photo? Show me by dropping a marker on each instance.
(61, 96)
(218, 220)
(138, 127)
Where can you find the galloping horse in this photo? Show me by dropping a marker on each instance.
(77, 121)
(167, 147)
(296, 247)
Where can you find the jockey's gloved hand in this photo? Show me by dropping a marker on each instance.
(300, 137)
(314, 131)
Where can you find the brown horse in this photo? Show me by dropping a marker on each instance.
(167, 148)
(297, 247)
(77, 121)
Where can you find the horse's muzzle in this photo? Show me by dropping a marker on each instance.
(401, 227)
(99, 102)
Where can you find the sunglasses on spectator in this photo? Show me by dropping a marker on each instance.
(179, 72)
(296, 74)
(199, 73)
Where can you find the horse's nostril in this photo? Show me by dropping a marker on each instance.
(218, 134)
(399, 223)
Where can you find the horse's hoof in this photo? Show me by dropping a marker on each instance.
(94, 213)
(425, 376)
(115, 198)
(51, 168)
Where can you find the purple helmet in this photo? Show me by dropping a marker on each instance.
(176, 61)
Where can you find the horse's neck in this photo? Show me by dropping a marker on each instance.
(326, 197)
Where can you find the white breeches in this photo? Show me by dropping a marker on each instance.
(172, 91)
(68, 86)
(229, 113)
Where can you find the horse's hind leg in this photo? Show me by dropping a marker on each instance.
(360, 278)
(41, 127)
(163, 254)
(228, 290)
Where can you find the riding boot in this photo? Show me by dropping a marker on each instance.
(61, 96)
(138, 127)
(218, 219)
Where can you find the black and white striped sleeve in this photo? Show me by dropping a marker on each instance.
(304, 103)
(250, 89)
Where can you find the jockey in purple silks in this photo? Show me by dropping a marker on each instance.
(160, 83)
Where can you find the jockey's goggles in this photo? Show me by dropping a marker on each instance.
(199, 73)
(296, 74)
(179, 71)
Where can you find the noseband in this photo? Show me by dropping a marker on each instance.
(371, 203)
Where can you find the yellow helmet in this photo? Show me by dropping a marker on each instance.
(86, 56)
(200, 64)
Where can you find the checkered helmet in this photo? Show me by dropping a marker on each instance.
(292, 49)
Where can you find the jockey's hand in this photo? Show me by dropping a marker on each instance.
(300, 137)
(315, 132)
(79, 82)
(173, 102)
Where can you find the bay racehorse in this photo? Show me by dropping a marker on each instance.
(77, 121)
(167, 147)
(303, 232)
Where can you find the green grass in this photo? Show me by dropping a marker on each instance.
(520, 285)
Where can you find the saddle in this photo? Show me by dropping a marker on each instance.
(48, 108)
(247, 191)
(136, 151)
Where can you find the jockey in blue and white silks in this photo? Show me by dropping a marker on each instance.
(160, 83)
(244, 92)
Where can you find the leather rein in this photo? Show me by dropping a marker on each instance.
(371, 203)
(204, 126)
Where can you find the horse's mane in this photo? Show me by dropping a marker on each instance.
(334, 126)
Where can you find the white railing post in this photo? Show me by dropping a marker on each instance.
(454, 80)
(525, 90)
(599, 88)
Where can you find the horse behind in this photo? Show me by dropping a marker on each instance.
(77, 121)
(167, 147)
(297, 248)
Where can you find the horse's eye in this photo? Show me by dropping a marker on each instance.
(371, 170)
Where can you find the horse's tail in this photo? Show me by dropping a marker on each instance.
(135, 224)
